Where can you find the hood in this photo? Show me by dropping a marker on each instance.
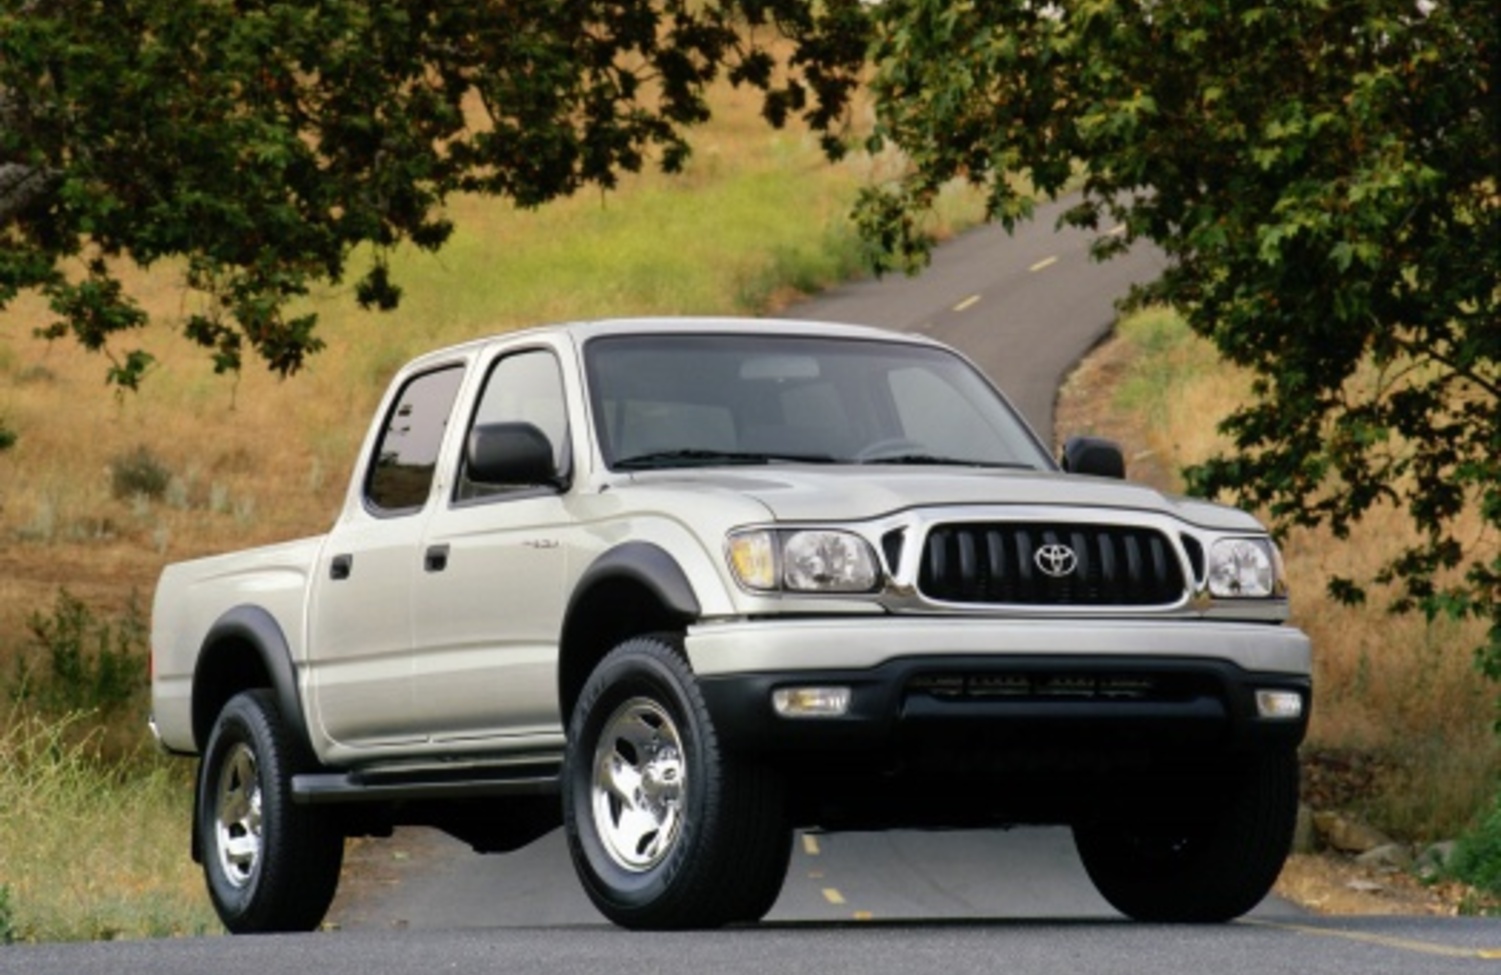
(859, 493)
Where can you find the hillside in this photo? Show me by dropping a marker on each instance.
(104, 488)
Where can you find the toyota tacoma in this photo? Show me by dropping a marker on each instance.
(684, 586)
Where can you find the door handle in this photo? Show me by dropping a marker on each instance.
(436, 559)
(340, 567)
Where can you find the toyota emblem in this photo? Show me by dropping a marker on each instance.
(1056, 560)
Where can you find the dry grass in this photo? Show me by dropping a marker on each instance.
(758, 214)
(1402, 693)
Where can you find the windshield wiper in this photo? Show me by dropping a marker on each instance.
(918, 459)
(697, 457)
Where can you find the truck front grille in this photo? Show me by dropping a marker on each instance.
(1107, 565)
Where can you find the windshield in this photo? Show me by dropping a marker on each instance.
(707, 400)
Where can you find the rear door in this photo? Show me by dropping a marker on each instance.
(360, 639)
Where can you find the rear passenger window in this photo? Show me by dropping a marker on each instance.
(401, 476)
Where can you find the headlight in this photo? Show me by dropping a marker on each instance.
(823, 561)
(803, 561)
(1244, 568)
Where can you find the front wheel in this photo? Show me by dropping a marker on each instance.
(270, 865)
(665, 829)
(1209, 870)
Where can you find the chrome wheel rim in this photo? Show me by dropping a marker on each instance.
(638, 785)
(237, 820)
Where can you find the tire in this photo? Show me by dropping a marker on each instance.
(270, 865)
(666, 830)
(1209, 871)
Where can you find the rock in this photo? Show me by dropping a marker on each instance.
(1433, 860)
(1348, 835)
(1365, 886)
(1394, 856)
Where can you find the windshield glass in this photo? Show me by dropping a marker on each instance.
(679, 400)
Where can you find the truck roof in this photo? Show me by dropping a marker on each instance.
(582, 331)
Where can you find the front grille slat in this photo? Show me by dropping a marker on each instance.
(998, 563)
(1161, 686)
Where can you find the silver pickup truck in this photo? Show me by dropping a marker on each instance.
(683, 586)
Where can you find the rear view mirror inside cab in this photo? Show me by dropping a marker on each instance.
(779, 368)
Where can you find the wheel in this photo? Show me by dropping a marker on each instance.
(665, 829)
(270, 864)
(1208, 871)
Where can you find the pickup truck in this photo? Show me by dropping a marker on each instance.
(684, 586)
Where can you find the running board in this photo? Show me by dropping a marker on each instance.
(400, 783)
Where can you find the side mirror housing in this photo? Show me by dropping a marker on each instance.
(1093, 455)
(511, 454)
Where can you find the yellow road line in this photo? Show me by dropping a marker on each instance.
(1045, 262)
(863, 916)
(810, 844)
(832, 896)
(1385, 941)
(967, 303)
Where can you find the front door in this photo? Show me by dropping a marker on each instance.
(490, 595)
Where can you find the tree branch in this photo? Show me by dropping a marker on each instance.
(20, 187)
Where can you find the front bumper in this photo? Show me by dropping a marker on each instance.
(1093, 688)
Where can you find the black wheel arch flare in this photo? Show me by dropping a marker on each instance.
(630, 590)
(245, 648)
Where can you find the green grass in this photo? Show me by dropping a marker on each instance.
(92, 848)
(1166, 357)
(728, 237)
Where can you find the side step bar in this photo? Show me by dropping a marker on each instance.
(393, 784)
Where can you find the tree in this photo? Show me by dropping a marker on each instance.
(1325, 178)
(261, 142)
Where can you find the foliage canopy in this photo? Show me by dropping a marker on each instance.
(261, 141)
(1323, 178)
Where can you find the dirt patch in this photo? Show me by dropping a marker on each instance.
(1332, 884)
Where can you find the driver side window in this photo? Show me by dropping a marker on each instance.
(522, 388)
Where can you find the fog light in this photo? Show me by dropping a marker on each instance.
(811, 702)
(1279, 704)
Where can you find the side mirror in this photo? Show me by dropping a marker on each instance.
(510, 453)
(1093, 455)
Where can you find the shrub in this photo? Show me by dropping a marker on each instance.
(1477, 856)
(91, 664)
(7, 919)
(138, 473)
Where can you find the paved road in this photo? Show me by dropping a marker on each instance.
(982, 902)
(1363, 946)
(427, 881)
(1025, 308)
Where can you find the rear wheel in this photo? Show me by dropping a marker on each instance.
(270, 864)
(665, 829)
(1210, 870)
